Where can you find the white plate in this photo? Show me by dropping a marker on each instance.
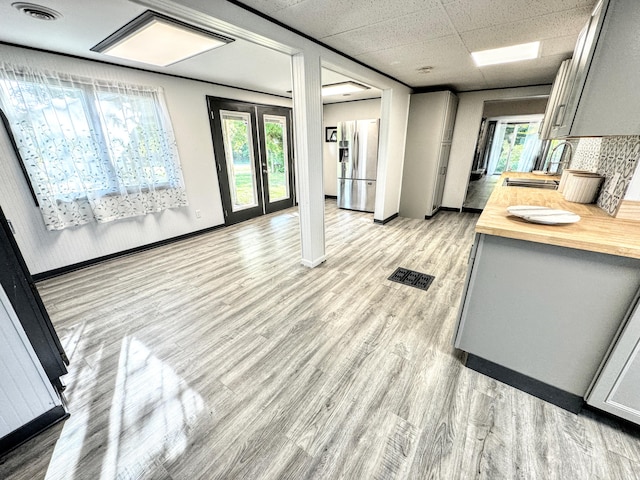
(542, 173)
(543, 215)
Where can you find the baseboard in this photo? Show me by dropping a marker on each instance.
(471, 210)
(386, 220)
(331, 196)
(548, 393)
(449, 209)
(31, 429)
(314, 263)
(87, 263)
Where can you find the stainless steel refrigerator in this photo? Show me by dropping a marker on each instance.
(357, 164)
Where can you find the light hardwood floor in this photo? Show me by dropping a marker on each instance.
(220, 357)
(479, 191)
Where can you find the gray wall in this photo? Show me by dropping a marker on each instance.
(514, 107)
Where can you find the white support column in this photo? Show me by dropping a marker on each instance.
(307, 115)
(394, 113)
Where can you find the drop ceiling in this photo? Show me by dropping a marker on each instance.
(396, 37)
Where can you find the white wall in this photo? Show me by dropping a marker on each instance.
(332, 114)
(465, 134)
(45, 250)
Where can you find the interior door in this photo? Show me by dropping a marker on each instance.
(235, 144)
(274, 124)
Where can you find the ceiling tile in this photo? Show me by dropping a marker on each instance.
(270, 6)
(321, 19)
(467, 15)
(558, 46)
(533, 72)
(436, 53)
(424, 25)
(538, 28)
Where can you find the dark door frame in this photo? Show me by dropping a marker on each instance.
(256, 111)
(215, 105)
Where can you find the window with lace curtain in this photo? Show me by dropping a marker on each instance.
(92, 150)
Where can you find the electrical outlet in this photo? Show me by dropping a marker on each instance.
(614, 183)
(198, 214)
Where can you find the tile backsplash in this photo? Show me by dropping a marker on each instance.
(587, 154)
(617, 163)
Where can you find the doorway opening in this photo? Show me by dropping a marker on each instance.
(505, 144)
(253, 150)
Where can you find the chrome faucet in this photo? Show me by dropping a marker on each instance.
(567, 161)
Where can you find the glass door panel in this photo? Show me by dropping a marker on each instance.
(241, 172)
(277, 159)
(276, 153)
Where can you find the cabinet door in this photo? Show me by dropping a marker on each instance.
(441, 176)
(450, 117)
(556, 93)
(617, 388)
(578, 69)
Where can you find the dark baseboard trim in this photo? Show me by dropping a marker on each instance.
(31, 429)
(331, 196)
(554, 395)
(449, 209)
(471, 210)
(87, 263)
(386, 220)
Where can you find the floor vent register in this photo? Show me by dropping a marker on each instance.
(409, 277)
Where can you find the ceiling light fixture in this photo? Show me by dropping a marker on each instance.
(342, 88)
(159, 40)
(514, 53)
(37, 11)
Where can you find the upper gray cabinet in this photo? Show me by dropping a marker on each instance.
(599, 93)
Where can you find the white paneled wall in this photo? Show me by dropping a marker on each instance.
(25, 390)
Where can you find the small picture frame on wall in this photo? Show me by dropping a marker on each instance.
(331, 134)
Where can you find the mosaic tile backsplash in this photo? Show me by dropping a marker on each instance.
(587, 154)
(617, 163)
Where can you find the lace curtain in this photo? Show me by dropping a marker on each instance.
(93, 150)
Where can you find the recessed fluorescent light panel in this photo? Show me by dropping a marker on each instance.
(159, 40)
(514, 53)
(342, 88)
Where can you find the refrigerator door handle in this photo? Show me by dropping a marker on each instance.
(356, 151)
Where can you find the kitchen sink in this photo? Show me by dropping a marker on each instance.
(531, 183)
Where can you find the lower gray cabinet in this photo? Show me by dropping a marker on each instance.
(617, 388)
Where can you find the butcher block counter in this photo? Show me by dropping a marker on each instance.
(543, 303)
(596, 231)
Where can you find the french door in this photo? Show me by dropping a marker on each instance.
(252, 146)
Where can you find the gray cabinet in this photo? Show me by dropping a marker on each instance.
(546, 312)
(600, 93)
(557, 91)
(617, 388)
(429, 132)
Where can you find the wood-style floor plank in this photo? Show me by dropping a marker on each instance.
(221, 357)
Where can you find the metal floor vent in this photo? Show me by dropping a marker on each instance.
(409, 277)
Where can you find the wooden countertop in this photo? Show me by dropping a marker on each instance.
(596, 231)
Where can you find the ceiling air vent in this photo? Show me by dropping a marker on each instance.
(37, 11)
